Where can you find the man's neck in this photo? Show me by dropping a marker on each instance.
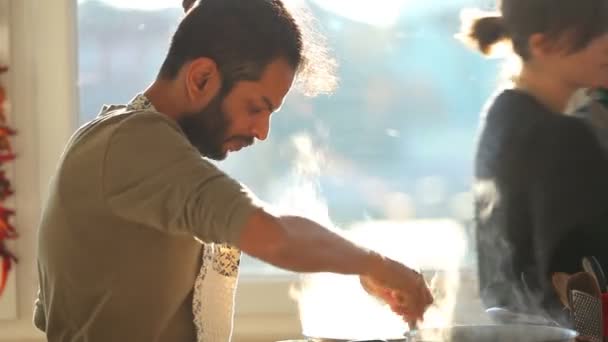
(163, 98)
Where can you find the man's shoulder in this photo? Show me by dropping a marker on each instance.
(124, 129)
(148, 128)
(124, 118)
(120, 123)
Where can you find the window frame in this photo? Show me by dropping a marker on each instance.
(46, 95)
(44, 53)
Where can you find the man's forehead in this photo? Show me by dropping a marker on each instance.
(277, 76)
(270, 97)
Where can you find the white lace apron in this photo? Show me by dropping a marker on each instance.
(214, 290)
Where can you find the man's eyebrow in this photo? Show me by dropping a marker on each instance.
(269, 104)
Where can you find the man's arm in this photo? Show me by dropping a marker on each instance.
(301, 245)
(286, 243)
(154, 177)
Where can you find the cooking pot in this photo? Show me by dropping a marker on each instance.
(324, 339)
(477, 333)
(494, 333)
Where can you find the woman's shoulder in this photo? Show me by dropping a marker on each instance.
(516, 104)
(516, 122)
(517, 109)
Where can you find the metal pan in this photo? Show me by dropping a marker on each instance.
(477, 333)
(324, 339)
(494, 333)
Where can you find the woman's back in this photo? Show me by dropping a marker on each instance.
(541, 196)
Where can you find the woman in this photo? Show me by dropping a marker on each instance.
(541, 180)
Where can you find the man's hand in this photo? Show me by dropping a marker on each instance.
(402, 288)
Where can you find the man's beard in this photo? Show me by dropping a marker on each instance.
(207, 129)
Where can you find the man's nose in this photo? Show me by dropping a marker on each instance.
(261, 127)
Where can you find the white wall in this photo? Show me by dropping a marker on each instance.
(8, 299)
(42, 84)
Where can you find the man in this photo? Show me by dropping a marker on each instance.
(120, 238)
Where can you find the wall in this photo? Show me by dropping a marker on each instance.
(8, 299)
(42, 82)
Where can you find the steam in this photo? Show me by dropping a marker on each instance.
(300, 192)
(335, 306)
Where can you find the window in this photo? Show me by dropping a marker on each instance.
(396, 140)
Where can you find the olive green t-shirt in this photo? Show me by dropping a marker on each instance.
(118, 248)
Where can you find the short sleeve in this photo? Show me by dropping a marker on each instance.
(153, 176)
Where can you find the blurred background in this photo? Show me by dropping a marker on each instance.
(388, 154)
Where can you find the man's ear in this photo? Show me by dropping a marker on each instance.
(201, 84)
(203, 81)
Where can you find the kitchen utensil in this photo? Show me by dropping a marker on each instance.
(339, 340)
(324, 339)
(476, 333)
(494, 333)
(560, 285)
(585, 304)
(592, 265)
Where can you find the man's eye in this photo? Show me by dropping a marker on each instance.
(255, 110)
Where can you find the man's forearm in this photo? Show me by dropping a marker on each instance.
(301, 245)
(310, 247)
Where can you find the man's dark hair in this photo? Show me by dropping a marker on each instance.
(243, 37)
